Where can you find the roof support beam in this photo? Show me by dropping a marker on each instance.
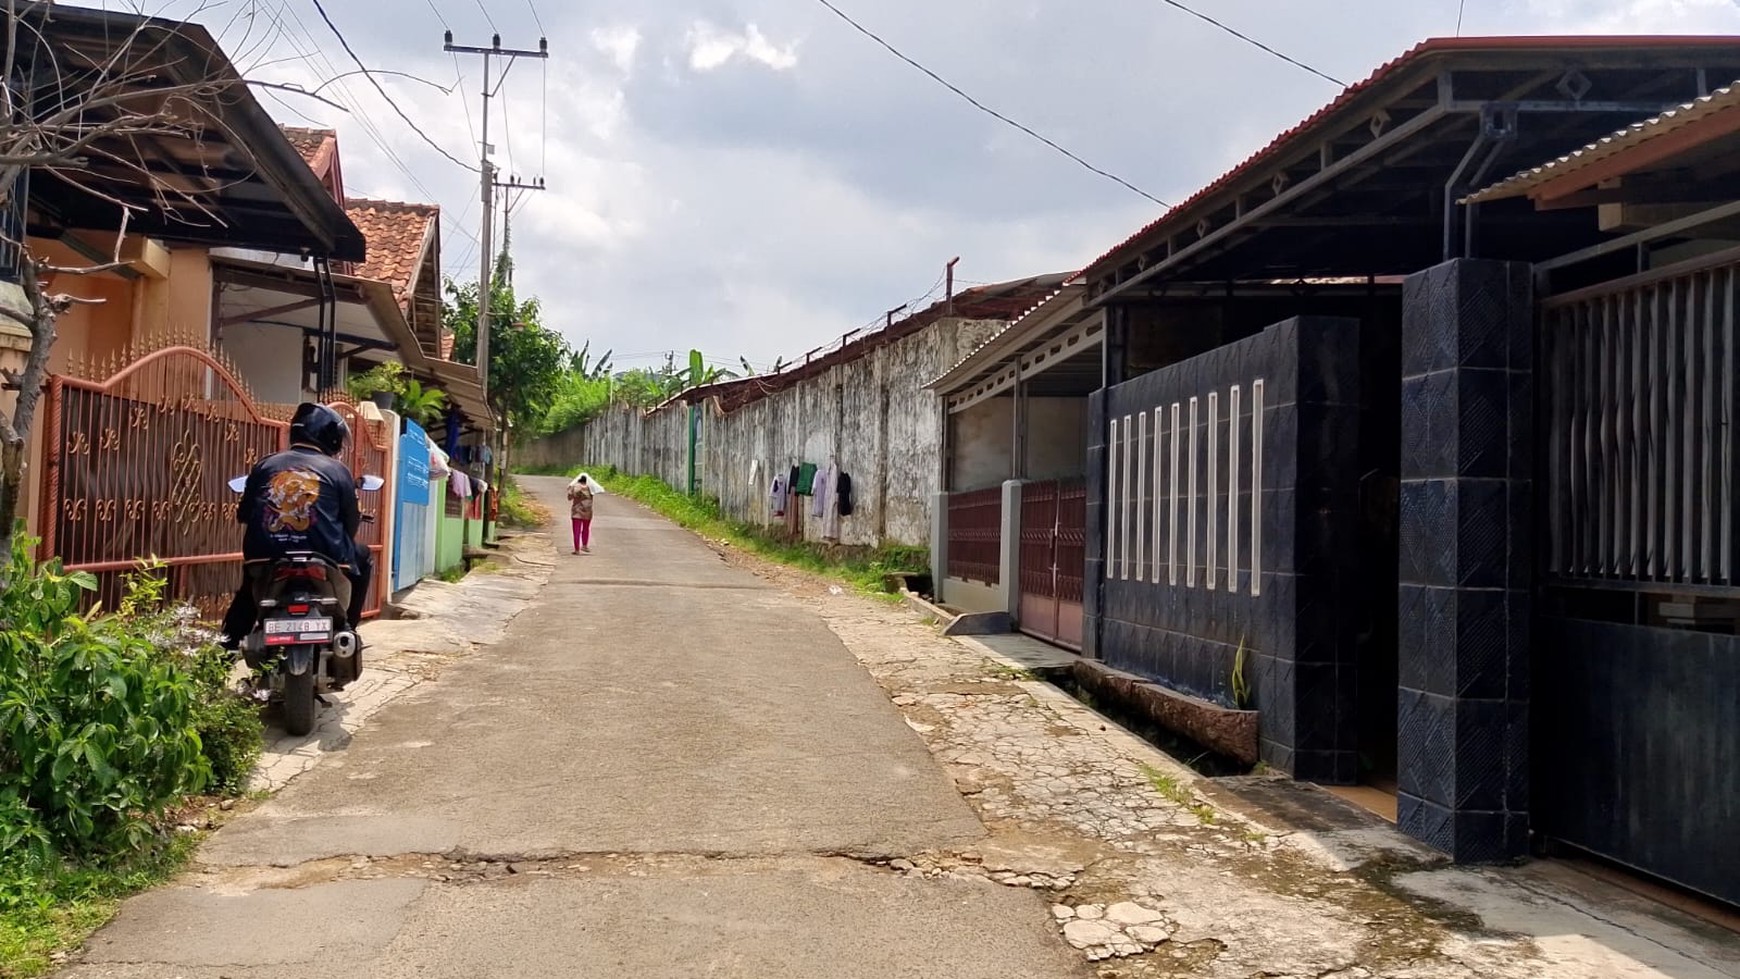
(261, 314)
(1382, 144)
(1670, 229)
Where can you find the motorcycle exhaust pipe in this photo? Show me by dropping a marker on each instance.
(345, 644)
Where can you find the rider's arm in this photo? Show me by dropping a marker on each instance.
(249, 505)
(347, 505)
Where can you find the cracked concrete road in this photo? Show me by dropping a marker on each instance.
(674, 764)
(665, 767)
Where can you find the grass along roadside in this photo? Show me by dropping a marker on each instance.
(863, 568)
(48, 909)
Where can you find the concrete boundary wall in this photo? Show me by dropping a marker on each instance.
(871, 415)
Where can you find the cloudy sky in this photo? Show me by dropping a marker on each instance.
(754, 177)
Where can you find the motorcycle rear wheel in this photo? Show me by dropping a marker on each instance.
(299, 703)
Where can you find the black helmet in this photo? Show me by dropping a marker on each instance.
(320, 427)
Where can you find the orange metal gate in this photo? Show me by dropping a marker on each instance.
(369, 456)
(138, 464)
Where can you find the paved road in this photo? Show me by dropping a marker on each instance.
(667, 768)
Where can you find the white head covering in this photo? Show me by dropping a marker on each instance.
(596, 489)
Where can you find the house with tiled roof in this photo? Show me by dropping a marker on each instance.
(275, 307)
(1403, 484)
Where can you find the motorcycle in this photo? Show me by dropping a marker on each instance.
(301, 645)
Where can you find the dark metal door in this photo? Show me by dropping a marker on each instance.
(1637, 672)
(1053, 561)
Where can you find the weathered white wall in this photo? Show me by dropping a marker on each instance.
(981, 450)
(1057, 438)
(871, 415)
(270, 358)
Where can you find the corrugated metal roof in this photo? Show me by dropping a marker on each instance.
(1070, 290)
(1001, 301)
(1418, 53)
(1624, 141)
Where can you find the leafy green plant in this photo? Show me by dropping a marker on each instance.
(386, 377)
(519, 509)
(1241, 687)
(98, 731)
(423, 405)
(867, 569)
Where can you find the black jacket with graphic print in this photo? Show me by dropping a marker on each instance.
(299, 500)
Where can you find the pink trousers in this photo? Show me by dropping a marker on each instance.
(582, 533)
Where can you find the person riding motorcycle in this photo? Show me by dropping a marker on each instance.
(301, 500)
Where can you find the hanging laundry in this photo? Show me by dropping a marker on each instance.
(776, 497)
(830, 501)
(806, 479)
(822, 492)
(844, 491)
(460, 484)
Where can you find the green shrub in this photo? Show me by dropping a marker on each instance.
(229, 725)
(98, 720)
(519, 509)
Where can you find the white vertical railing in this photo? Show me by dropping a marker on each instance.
(1158, 498)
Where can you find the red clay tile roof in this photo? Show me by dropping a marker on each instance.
(1419, 52)
(397, 234)
(311, 143)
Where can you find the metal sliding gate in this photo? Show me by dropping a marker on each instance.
(1637, 678)
(1053, 560)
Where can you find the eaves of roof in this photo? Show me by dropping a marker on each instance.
(1403, 70)
(1627, 150)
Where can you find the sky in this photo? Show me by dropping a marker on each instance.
(754, 178)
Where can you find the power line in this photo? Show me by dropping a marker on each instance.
(372, 81)
(535, 17)
(1461, 8)
(358, 111)
(1253, 41)
(487, 17)
(975, 103)
(437, 12)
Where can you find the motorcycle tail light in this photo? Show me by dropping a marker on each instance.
(298, 610)
(307, 572)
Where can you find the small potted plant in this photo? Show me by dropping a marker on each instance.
(381, 384)
(423, 405)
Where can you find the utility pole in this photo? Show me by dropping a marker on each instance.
(489, 184)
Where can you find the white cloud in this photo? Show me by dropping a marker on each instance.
(711, 47)
(620, 44)
(772, 209)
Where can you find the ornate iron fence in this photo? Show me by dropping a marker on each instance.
(138, 457)
(975, 535)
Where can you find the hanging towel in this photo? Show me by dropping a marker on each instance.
(806, 479)
(460, 484)
(822, 493)
(844, 491)
(776, 497)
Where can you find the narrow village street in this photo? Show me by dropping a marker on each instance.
(677, 763)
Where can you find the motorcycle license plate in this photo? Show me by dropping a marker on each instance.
(294, 632)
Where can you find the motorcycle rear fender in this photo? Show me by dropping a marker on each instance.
(299, 660)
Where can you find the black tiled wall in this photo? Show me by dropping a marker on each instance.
(1465, 557)
(1301, 631)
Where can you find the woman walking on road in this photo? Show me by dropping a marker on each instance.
(580, 493)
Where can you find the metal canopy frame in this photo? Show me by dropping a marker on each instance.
(1367, 187)
(238, 182)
